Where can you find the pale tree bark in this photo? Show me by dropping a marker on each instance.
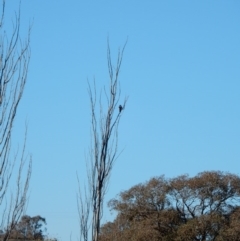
(106, 113)
(14, 62)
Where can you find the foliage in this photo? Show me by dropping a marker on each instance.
(202, 208)
(29, 228)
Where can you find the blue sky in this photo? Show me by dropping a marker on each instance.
(180, 71)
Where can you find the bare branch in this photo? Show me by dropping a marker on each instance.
(14, 62)
(104, 146)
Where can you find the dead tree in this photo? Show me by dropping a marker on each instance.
(105, 118)
(14, 62)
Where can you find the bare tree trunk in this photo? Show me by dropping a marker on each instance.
(104, 149)
(14, 61)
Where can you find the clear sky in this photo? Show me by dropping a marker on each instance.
(180, 71)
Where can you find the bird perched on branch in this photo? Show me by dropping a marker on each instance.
(120, 108)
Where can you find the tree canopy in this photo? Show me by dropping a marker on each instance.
(29, 228)
(201, 208)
